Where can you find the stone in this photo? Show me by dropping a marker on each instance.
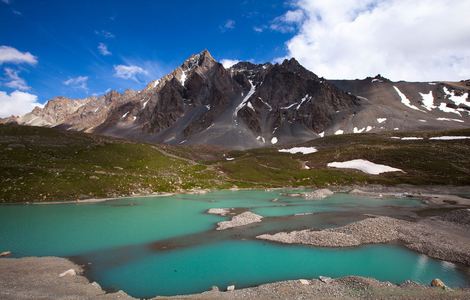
(230, 288)
(304, 281)
(325, 279)
(436, 282)
(70, 272)
(318, 194)
(5, 253)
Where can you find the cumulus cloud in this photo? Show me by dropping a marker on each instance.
(401, 39)
(228, 25)
(11, 55)
(227, 63)
(103, 49)
(79, 82)
(129, 71)
(14, 81)
(17, 103)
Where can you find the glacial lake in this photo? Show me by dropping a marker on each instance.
(168, 245)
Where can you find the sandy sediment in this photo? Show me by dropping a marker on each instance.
(437, 236)
(240, 220)
(219, 211)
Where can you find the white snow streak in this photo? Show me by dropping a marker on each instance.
(449, 138)
(452, 120)
(405, 100)
(381, 120)
(339, 131)
(245, 100)
(428, 100)
(303, 150)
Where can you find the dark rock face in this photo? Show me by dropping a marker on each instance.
(255, 105)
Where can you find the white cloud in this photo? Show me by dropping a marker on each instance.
(105, 34)
(401, 39)
(79, 82)
(103, 49)
(17, 103)
(230, 24)
(227, 63)
(128, 71)
(14, 81)
(11, 55)
(289, 21)
(258, 28)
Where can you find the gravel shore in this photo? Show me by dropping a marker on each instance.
(39, 278)
(437, 237)
(240, 220)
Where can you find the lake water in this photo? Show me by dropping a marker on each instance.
(168, 245)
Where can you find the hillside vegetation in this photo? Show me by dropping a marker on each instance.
(44, 164)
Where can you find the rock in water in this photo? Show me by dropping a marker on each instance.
(438, 283)
(318, 194)
(240, 220)
(230, 288)
(5, 253)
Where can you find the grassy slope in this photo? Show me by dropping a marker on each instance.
(425, 162)
(42, 164)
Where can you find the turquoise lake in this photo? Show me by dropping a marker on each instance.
(168, 245)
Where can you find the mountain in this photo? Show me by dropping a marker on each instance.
(255, 105)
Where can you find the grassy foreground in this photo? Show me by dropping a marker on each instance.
(44, 164)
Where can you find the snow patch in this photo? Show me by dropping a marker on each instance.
(457, 99)
(411, 138)
(229, 158)
(245, 100)
(446, 109)
(303, 150)
(369, 128)
(274, 140)
(421, 120)
(125, 115)
(405, 100)
(449, 138)
(339, 131)
(305, 98)
(381, 120)
(183, 78)
(322, 134)
(428, 100)
(260, 138)
(376, 80)
(145, 103)
(356, 130)
(364, 166)
(287, 107)
(452, 120)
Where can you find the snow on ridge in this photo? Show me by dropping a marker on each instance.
(356, 130)
(446, 109)
(245, 100)
(428, 101)
(376, 80)
(405, 100)
(449, 137)
(457, 99)
(381, 120)
(303, 150)
(305, 98)
(448, 119)
(287, 107)
(183, 78)
(364, 166)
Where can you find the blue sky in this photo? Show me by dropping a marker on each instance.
(81, 48)
(155, 36)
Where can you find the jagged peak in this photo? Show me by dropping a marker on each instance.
(200, 59)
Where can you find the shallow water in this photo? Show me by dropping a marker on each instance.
(168, 245)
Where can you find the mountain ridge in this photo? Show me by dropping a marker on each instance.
(254, 105)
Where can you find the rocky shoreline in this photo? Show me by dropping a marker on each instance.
(40, 278)
(446, 237)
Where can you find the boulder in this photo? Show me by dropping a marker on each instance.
(318, 194)
(230, 288)
(436, 282)
(304, 281)
(70, 272)
(325, 279)
(5, 253)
